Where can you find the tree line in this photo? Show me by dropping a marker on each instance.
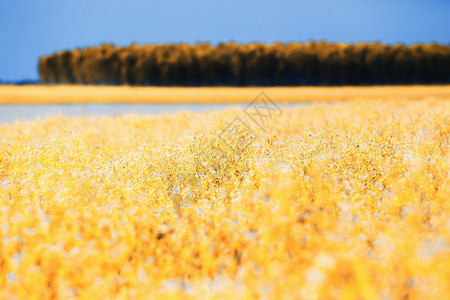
(313, 63)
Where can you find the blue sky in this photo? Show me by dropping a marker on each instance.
(30, 28)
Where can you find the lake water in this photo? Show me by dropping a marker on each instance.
(12, 113)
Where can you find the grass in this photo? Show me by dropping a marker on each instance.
(345, 201)
(126, 94)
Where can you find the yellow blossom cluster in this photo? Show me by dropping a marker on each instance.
(344, 201)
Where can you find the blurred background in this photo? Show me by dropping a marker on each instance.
(30, 29)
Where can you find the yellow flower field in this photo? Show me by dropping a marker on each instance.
(345, 201)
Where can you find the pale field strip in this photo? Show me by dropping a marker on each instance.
(54, 94)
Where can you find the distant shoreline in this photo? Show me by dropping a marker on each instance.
(59, 94)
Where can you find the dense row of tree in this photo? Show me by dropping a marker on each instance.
(252, 64)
